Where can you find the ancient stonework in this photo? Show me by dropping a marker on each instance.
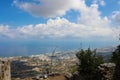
(5, 70)
(106, 71)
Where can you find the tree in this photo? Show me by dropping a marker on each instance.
(116, 59)
(88, 63)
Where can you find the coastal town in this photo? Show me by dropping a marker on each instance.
(38, 67)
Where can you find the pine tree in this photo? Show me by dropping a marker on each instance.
(88, 63)
(116, 59)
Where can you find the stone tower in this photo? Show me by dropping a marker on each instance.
(5, 70)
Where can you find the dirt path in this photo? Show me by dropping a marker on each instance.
(61, 77)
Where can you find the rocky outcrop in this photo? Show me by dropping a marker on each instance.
(68, 76)
(104, 72)
(74, 76)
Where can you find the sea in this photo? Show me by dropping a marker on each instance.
(36, 47)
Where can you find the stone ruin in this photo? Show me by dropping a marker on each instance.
(5, 70)
(106, 71)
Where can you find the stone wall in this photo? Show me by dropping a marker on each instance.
(106, 71)
(5, 70)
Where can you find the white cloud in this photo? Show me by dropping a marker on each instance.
(58, 29)
(91, 18)
(100, 2)
(5, 31)
(48, 8)
(90, 23)
(116, 17)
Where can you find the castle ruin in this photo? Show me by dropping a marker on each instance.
(5, 70)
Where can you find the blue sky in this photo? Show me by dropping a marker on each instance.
(13, 16)
(76, 20)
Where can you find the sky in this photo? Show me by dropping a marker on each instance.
(56, 22)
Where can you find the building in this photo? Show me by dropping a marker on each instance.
(5, 70)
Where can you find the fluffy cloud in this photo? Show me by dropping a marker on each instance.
(48, 8)
(91, 18)
(116, 17)
(5, 31)
(90, 23)
(58, 28)
(100, 2)
(53, 8)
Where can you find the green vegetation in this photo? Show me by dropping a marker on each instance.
(74, 69)
(116, 59)
(88, 63)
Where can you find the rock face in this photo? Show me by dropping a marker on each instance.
(5, 71)
(68, 76)
(106, 71)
